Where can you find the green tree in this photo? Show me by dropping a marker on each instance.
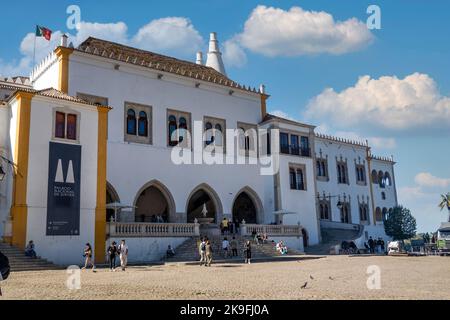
(445, 203)
(400, 224)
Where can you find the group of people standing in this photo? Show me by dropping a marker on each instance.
(229, 226)
(112, 252)
(229, 248)
(375, 246)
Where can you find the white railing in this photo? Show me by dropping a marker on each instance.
(137, 229)
(271, 230)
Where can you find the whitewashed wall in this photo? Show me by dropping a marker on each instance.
(60, 249)
(5, 151)
(131, 166)
(390, 191)
(350, 152)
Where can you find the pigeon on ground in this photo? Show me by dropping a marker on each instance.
(311, 277)
(304, 286)
(331, 278)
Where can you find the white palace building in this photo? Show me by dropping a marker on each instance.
(107, 142)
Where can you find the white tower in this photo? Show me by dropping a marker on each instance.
(214, 59)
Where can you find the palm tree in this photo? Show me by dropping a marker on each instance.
(445, 202)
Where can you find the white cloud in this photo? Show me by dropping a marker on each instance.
(116, 32)
(173, 35)
(276, 32)
(233, 54)
(426, 179)
(385, 103)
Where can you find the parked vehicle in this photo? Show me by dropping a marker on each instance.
(443, 239)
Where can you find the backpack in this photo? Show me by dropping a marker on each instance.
(4, 267)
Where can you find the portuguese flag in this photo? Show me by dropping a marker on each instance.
(43, 32)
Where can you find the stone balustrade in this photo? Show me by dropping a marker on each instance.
(271, 230)
(137, 229)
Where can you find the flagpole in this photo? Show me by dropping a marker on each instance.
(34, 50)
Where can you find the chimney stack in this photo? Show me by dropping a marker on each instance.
(214, 59)
(63, 40)
(199, 59)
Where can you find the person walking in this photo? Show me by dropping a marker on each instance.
(123, 251)
(225, 245)
(371, 245)
(225, 225)
(234, 247)
(112, 254)
(248, 252)
(202, 252)
(87, 254)
(208, 253)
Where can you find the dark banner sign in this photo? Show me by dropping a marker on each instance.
(63, 200)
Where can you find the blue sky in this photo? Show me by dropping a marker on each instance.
(403, 106)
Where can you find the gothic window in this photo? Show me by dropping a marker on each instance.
(72, 126)
(381, 181)
(374, 177)
(60, 125)
(209, 133)
(172, 125)
(131, 122)
(138, 123)
(143, 124)
(213, 134)
(297, 177)
(65, 124)
(178, 126)
(387, 179)
(378, 214)
(324, 210)
(248, 139)
(363, 212)
(322, 169)
(360, 174)
(345, 213)
(300, 180)
(293, 179)
(342, 172)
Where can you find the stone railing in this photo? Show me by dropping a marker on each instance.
(137, 229)
(271, 230)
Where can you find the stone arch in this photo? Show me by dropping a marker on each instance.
(256, 202)
(215, 201)
(374, 175)
(111, 196)
(387, 179)
(171, 209)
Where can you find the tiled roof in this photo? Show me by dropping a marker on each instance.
(156, 61)
(50, 93)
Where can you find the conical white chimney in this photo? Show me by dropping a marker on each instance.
(199, 59)
(214, 59)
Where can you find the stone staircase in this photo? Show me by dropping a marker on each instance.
(330, 238)
(188, 250)
(19, 262)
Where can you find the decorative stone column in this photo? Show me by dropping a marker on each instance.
(196, 227)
